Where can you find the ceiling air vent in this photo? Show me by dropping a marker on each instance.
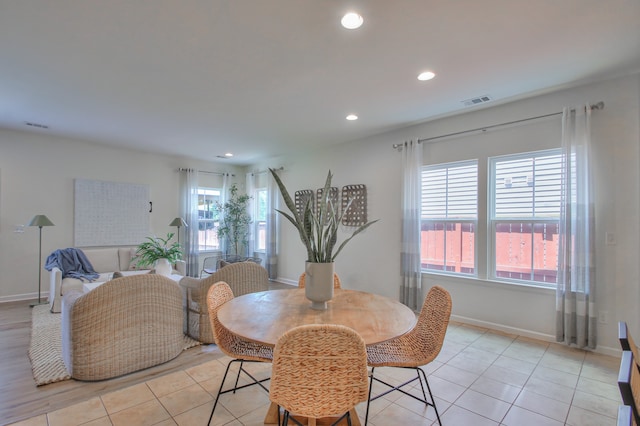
(477, 101)
(39, 126)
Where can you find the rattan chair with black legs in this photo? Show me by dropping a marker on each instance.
(418, 347)
(319, 370)
(303, 279)
(240, 350)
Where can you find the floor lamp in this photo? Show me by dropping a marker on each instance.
(178, 222)
(40, 220)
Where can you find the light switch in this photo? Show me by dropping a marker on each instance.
(610, 238)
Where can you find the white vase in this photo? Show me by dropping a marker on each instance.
(163, 267)
(319, 284)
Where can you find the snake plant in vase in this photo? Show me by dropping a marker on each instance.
(318, 230)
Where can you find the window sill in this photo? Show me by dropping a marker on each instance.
(486, 282)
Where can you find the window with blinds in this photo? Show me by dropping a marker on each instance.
(524, 216)
(449, 214)
(208, 219)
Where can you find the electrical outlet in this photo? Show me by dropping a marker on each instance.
(603, 317)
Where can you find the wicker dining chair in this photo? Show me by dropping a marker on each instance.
(302, 280)
(231, 345)
(319, 370)
(418, 347)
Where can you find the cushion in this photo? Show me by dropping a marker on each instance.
(104, 259)
(125, 254)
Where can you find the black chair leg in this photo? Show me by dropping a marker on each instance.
(424, 375)
(420, 376)
(226, 371)
(366, 416)
(236, 387)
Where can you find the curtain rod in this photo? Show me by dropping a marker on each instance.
(259, 172)
(182, 169)
(596, 106)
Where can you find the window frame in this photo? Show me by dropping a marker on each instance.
(445, 221)
(213, 219)
(257, 221)
(493, 222)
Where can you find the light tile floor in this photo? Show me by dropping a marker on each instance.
(480, 378)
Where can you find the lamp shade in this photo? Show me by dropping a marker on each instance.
(40, 220)
(178, 221)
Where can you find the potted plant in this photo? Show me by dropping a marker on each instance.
(158, 252)
(235, 221)
(318, 231)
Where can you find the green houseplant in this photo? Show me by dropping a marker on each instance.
(235, 220)
(318, 230)
(149, 253)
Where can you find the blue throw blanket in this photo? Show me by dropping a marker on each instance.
(73, 263)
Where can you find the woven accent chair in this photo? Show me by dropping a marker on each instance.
(302, 279)
(418, 347)
(231, 345)
(242, 277)
(629, 383)
(124, 325)
(319, 370)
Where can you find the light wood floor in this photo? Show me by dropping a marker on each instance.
(20, 398)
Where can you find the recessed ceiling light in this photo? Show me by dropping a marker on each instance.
(352, 117)
(228, 155)
(352, 20)
(427, 75)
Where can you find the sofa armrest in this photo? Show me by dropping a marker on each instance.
(55, 289)
(67, 303)
(195, 294)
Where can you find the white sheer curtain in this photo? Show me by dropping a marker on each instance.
(273, 224)
(224, 196)
(189, 211)
(575, 297)
(251, 206)
(411, 285)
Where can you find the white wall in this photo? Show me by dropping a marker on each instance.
(371, 261)
(37, 173)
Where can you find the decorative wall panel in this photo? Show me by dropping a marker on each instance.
(110, 213)
(356, 215)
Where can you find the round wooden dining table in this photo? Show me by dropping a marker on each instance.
(265, 316)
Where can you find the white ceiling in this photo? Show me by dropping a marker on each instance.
(262, 78)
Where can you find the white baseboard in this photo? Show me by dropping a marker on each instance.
(26, 296)
(287, 281)
(605, 350)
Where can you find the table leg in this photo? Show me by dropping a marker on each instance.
(272, 417)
